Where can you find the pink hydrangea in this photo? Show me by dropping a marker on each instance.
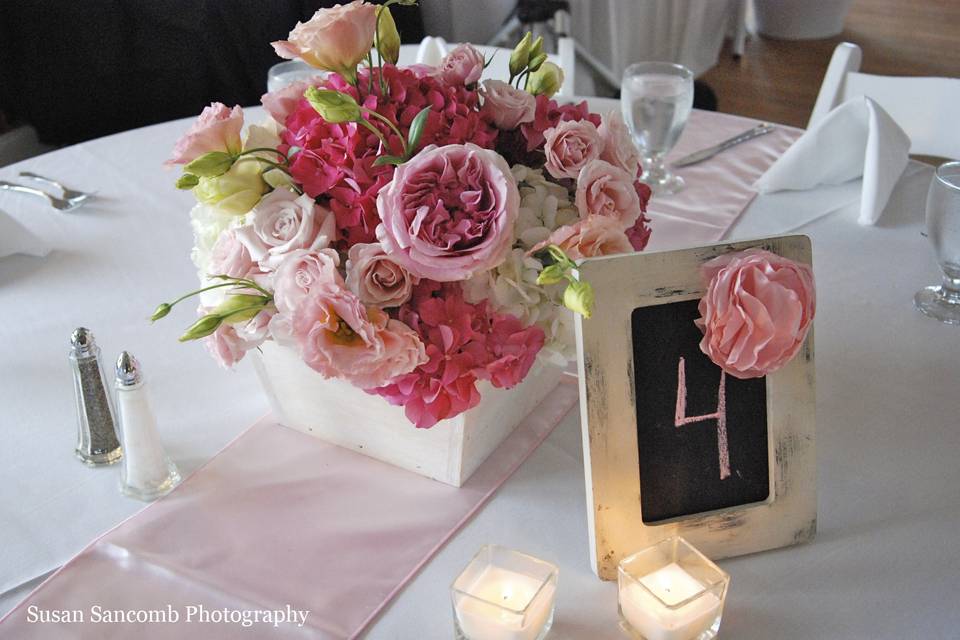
(335, 161)
(464, 343)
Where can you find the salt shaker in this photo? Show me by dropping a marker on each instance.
(148, 472)
(97, 442)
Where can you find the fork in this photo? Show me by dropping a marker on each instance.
(68, 194)
(55, 202)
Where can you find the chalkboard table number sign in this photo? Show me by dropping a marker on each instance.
(673, 445)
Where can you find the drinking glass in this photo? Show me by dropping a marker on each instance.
(656, 98)
(943, 228)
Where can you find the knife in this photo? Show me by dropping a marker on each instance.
(700, 156)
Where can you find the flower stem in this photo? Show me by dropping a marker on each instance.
(376, 132)
(389, 124)
(267, 149)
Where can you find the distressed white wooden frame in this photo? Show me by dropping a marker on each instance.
(608, 416)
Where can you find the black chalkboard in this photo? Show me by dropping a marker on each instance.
(682, 468)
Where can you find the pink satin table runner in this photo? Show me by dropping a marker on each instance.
(276, 519)
(718, 189)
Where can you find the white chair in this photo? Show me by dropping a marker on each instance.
(926, 108)
(432, 50)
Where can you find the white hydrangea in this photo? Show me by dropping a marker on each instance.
(512, 287)
(544, 207)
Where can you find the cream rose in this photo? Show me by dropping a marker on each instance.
(377, 278)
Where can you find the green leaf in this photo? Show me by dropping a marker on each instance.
(382, 160)
(292, 151)
(416, 131)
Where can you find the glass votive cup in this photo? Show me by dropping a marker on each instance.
(504, 595)
(286, 73)
(671, 591)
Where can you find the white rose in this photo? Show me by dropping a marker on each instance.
(284, 222)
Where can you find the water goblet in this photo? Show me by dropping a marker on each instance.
(656, 98)
(943, 228)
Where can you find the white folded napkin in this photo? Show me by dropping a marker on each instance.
(858, 138)
(14, 238)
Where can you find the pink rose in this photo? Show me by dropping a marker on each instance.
(463, 65)
(449, 212)
(230, 256)
(376, 278)
(284, 222)
(217, 129)
(608, 191)
(230, 342)
(281, 103)
(570, 146)
(334, 39)
(299, 272)
(506, 106)
(618, 147)
(591, 237)
(756, 312)
(339, 338)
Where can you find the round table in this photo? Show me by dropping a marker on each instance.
(885, 561)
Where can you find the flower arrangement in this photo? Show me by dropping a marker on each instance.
(411, 230)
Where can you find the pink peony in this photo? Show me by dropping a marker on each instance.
(377, 278)
(449, 212)
(506, 106)
(301, 271)
(608, 191)
(591, 237)
(334, 39)
(756, 311)
(217, 129)
(569, 147)
(463, 65)
(284, 222)
(336, 160)
(230, 256)
(618, 147)
(339, 338)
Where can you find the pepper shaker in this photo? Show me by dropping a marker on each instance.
(97, 442)
(148, 472)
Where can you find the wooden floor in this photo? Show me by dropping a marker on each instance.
(778, 80)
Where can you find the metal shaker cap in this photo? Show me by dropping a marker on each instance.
(128, 370)
(82, 341)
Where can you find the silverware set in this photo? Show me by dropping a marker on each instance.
(68, 200)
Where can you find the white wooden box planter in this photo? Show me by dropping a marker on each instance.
(339, 413)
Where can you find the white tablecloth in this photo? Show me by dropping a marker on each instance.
(885, 564)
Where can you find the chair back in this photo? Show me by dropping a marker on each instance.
(925, 108)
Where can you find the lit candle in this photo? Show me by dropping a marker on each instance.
(671, 592)
(504, 595)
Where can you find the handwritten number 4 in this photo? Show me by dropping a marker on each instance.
(681, 418)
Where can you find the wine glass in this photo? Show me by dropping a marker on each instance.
(943, 228)
(656, 98)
